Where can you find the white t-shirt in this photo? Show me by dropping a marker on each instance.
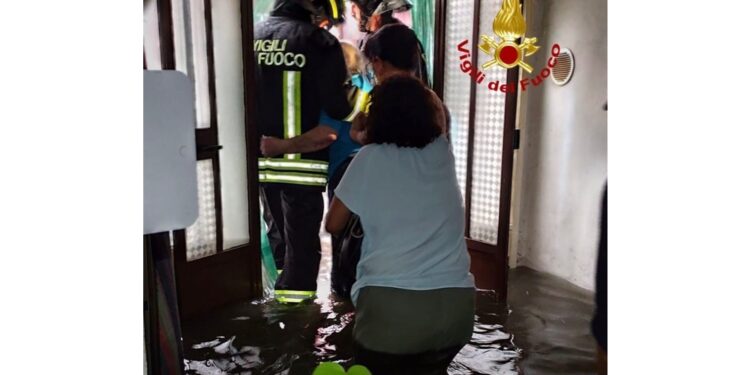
(411, 211)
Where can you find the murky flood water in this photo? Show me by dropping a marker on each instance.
(267, 338)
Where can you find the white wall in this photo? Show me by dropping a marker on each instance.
(562, 164)
(151, 35)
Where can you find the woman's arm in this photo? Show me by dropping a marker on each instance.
(337, 218)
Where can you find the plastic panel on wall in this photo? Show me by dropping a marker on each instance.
(459, 20)
(488, 141)
(201, 236)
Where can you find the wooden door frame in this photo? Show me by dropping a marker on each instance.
(234, 273)
(492, 271)
(252, 145)
(166, 34)
(438, 71)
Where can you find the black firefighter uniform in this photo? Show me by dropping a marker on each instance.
(300, 71)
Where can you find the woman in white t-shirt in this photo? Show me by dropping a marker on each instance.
(414, 295)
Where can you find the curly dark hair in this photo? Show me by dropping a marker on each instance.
(403, 112)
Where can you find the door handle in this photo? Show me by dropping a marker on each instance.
(209, 148)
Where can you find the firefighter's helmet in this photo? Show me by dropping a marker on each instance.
(376, 7)
(326, 12)
(395, 6)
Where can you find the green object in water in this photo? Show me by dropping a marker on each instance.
(329, 368)
(266, 254)
(333, 368)
(358, 370)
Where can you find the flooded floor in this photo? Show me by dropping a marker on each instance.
(544, 329)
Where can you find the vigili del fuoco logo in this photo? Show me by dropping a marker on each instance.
(510, 26)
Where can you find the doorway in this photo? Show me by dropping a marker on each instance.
(482, 134)
(217, 259)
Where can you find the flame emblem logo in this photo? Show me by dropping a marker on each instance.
(509, 25)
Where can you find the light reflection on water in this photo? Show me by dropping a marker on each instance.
(267, 338)
(279, 340)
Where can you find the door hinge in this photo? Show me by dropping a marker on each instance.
(516, 139)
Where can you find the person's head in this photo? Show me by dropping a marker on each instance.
(371, 15)
(355, 63)
(359, 14)
(404, 112)
(394, 49)
(378, 20)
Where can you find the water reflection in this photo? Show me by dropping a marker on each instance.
(550, 321)
(267, 338)
(270, 338)
(225, 358)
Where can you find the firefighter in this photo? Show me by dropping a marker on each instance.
(300, 71)
(342, 149)
(372, 15)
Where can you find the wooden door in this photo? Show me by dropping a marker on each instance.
(482, 134)
(210, 269)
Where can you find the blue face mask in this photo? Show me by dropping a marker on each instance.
(361, 81)
(370, 73)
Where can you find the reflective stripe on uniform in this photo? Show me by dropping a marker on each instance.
(294, 296)
(360, 105)
(294, 165)
(292, 178)
(303, 293)
(289, 300)
(292, 92)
